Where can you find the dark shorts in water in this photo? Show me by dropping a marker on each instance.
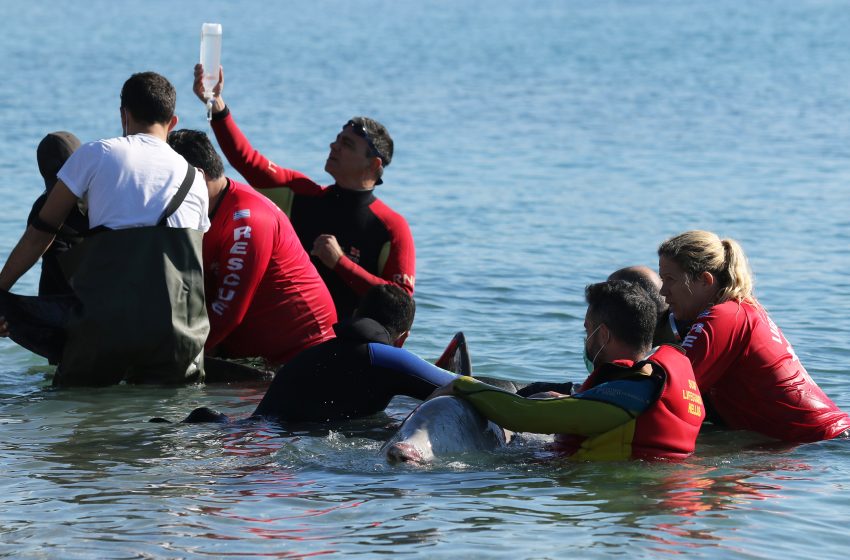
(37, 323)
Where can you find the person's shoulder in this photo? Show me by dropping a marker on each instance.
(732, 308)
(88, 156)
(729, 316)
(241, 191)
(102, 146)
(247, 207)
(387, 215)
(720, 310)
(245, 195)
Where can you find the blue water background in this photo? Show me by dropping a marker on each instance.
(539, 146)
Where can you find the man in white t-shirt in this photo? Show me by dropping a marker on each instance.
(127, 183)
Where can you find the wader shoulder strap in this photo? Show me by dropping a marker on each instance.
(179, 196)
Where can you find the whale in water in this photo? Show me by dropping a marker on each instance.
(442, 426)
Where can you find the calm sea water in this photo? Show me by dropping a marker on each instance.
(540, 145)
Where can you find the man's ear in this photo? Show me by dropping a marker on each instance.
(605, 332)
(172, 123)
(399, 342)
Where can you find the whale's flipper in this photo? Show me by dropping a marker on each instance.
(200, 415)
(455, 357)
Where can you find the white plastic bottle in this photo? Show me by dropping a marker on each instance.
(210, 60)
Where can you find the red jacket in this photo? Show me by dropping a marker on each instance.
(750, 375)
(264, 296)
(667, 429)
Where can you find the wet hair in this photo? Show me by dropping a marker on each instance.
(703, 251)
(149, 97)
(390, 306)
(626, 309)
(196, 148)
(380, 138)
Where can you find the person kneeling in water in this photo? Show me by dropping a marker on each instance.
(52, 153)
(360, 371)
(666, 329)
(637, 403)
(746, 369)
(264, 297)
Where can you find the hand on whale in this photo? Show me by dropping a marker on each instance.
(442, 426)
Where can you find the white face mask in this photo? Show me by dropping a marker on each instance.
(589, 362)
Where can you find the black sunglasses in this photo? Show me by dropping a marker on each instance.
(361, 131)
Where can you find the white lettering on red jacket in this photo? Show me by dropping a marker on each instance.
(234, 265)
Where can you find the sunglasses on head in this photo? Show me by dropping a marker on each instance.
(361, 131)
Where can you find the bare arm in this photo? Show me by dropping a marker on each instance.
(34, 242)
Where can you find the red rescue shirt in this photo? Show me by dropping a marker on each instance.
(748, 371)
(264, 296)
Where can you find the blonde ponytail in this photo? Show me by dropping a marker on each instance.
(738, 284)
(700, 251)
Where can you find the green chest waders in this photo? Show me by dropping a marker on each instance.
(141, 316)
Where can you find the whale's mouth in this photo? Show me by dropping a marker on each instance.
(404, 453)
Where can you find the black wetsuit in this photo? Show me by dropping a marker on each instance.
(355, 374)
(367, 226)
(52, 281)
(376, 241)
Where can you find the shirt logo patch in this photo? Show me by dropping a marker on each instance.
(241, 214)
(354, 254)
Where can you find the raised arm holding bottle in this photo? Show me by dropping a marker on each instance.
(355, 240)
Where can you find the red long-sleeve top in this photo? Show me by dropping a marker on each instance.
(264, 296)
(748, 371)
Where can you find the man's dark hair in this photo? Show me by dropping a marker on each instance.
(379, 138)
(196, 148)
(390, 306)
(632, 274)
(149, 97)
(626, 309)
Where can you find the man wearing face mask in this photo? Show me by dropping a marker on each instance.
(666, 329)
(635, 404)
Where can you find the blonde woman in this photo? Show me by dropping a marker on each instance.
(746, 370)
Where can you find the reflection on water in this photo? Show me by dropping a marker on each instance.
(216, 489)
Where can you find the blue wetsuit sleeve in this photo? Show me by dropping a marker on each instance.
(408, 363)
(632, 395)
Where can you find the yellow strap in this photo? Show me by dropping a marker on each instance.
(383, 256)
